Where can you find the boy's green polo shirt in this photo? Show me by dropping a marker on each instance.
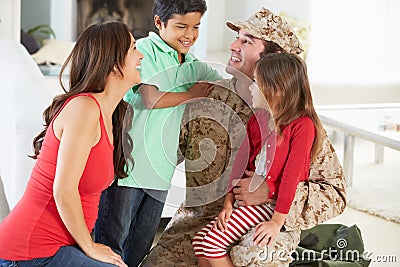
(155, 132)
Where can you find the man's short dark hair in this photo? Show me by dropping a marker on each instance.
(166, 9)
(271, 47)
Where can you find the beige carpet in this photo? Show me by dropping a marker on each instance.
(385, 205)
(376, 187)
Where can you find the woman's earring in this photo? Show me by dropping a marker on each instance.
(115, 71)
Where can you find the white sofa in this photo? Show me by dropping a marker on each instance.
(24, 95)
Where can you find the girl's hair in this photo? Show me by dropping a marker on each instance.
(166, 9)
(99, 49)
(283, 80)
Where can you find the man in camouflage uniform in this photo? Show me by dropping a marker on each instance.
(210, 137)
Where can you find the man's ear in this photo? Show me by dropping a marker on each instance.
(157, 22)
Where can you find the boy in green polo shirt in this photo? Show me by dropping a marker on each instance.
(130, 209)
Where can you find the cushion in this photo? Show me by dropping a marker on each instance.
(29, 42)
(53, 52)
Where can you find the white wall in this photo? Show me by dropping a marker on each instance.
(63, 19)
(353, 55)
(353, 44)
(220, 36)
(60, 15)
(392, 39)
(34, 13)
(347, 42)
(216, 17)
(298, 8)
(10, 24)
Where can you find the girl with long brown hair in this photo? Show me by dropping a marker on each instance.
(285, 122)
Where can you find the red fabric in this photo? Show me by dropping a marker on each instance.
(34, 229)
(211, 243)
(290, 163)
(257, 129)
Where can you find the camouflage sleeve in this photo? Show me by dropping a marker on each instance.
(323, 196)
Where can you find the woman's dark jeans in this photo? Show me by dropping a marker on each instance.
(69, 256)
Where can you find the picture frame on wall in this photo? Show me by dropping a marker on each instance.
(137, 14)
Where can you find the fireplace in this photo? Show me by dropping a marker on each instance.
(137, 14)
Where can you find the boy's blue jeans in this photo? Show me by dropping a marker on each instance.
(69, 256)
(128, 220)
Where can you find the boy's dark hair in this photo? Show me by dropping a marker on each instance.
(166, 9)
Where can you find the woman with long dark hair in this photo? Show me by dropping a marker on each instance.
(84, 145)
